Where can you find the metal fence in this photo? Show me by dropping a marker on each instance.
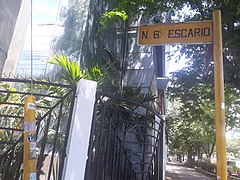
(54, 111)
(124, 141)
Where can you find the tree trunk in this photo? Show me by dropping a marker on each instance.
(190, 155)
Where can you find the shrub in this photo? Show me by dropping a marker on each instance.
(207, 166)
(204, 165)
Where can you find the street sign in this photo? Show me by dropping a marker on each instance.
(198, 33)
(180, 33)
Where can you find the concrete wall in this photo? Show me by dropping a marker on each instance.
(8, 17)
(18, 39)
(77, 147)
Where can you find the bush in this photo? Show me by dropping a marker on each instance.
(204, 165)
(207, 166)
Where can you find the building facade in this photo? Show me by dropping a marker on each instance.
(9, 16)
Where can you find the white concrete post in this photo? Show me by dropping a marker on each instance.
(77, 148)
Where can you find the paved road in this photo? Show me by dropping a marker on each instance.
(179, 172)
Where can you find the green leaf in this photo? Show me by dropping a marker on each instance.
(70, 69)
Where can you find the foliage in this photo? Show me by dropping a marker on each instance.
(70, 70)
(73, 16)
(112, 17)
(231, 31)
(9, 135)
(95, 73)
(133, 9)
(233, 147)
(193, 125)
(7, 119)
(204, 165)
(71, 73)
(193, 88)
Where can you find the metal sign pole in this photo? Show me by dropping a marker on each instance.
(219, 97)
(198, 32)
(29, 152)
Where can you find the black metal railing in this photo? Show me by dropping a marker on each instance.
(124, 141)
(11, 160)
(54, 114)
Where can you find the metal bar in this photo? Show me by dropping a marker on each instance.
(55, 140)
(21, 105)
(158, 164)
(11, 116)
(100, 140)
(39, 121)
(43, 144)
(53, 107)
(19, 167)
(155, 156)
(124, 52)
(11, 129)
(134, 132)
(127, 130)
(36, 82)
(90, 148)
(136, 113)
(15, 143)
(141, 163)
(28, 93)
(6, 142)
(114, 154)
(7, 175)
(152, 168)
(64, 153)
(131, 102)
(129, 142)
(13, 104)
(130, 171)
(142, 172)
(138, 152)
(120, 162)
(133, 122)
(125, 167)
(144, 149)
(108, 142)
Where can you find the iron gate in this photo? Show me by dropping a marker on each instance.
(124, 141)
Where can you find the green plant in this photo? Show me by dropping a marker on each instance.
(110, 18)
(70, 69)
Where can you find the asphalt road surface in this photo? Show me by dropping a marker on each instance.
(179, 172)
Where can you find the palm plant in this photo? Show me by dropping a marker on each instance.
(11, 154)
(70, 70)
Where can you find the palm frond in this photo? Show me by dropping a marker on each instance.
(70, 70)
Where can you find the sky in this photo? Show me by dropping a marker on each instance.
(45, 11)
(44, 17)
(176, 62)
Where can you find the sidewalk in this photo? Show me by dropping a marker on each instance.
(176, 171)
